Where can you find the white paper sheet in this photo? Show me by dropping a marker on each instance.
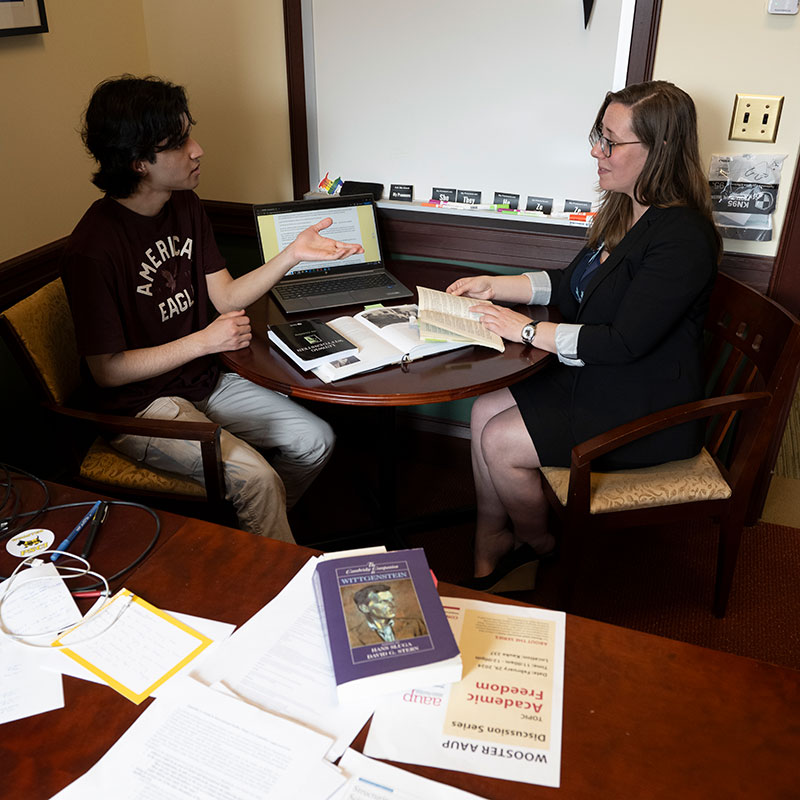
(35, 601)
(218, 631)
(278, 660)
(503, 719)
(36, 604)
(25, 689)
(132, 645)
(368, 779)
(200, 743)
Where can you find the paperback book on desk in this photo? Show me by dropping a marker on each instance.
(384, 624)
(310, 342)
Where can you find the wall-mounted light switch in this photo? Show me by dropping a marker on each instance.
(782, 7)
(756, 117)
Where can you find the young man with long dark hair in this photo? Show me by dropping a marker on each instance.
(140, 270)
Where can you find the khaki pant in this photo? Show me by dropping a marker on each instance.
(297, 442)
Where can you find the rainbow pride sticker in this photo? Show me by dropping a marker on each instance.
(328, 185)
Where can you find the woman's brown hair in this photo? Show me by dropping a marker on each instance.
(664, 120)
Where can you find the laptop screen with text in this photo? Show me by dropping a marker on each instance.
(278, 224)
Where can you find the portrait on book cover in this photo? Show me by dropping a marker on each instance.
(383, 611)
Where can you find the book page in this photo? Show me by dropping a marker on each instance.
(399, 326)
(373, 351)
(451, 312)
(393, 323)
(503, 719)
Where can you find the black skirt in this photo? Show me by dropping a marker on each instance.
(548, 407)
(544, 399)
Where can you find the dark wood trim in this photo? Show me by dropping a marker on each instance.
(506, 243)
(230, 218)
(749, 269)
(785, 284)
(295, 78)
(646, 19)
(479, 241)
(21, 276)
(407, 233)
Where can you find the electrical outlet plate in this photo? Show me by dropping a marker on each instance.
(756, 117)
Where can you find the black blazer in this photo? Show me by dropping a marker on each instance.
(642, 313)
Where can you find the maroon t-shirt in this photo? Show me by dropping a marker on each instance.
(135, 281)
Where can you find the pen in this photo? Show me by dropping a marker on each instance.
(75, 531)
(97, 520)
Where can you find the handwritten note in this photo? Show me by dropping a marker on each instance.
(133, 646)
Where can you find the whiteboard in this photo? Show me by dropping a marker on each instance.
(461, 94)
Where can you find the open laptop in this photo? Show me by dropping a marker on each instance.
(314, 285)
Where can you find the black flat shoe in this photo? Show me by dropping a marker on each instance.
(515, 572)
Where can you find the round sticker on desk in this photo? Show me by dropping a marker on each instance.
(29, 542)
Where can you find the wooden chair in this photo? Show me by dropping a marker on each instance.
(40, 334)
(752, 356)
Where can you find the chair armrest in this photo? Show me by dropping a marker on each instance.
(584, 453)
(206, 433)
(603, 443)
(139, 426)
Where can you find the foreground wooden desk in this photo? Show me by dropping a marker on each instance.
(644, 717)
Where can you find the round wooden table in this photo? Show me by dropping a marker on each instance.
(454, 375)
(457, 374)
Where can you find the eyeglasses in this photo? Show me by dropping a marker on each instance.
(606, 145)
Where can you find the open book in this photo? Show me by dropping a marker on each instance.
(395, 334)
(448, 317)
(384, 336)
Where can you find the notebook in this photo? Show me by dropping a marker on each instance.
(314, 285)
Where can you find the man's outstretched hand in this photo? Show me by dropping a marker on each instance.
(310, 246)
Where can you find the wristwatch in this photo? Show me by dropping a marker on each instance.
(528, 332)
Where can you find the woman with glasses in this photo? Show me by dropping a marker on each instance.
(633, 303)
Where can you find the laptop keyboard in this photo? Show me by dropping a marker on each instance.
(333, 286)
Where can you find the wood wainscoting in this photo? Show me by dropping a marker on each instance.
(506, 243)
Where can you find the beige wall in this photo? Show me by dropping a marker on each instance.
(45, 81)
(229, 55)
(716, 48)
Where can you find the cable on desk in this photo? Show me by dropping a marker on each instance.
(65, 572)
(138, 560)
(45, 508)
(6, 523)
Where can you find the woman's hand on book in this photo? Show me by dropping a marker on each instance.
(480, 287)
(503, 321)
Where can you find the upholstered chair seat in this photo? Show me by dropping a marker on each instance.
(686, 481)
(40, 333)
(103, 464)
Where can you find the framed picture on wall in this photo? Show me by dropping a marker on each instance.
(20, 17)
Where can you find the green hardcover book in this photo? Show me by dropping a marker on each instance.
(310, 342)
